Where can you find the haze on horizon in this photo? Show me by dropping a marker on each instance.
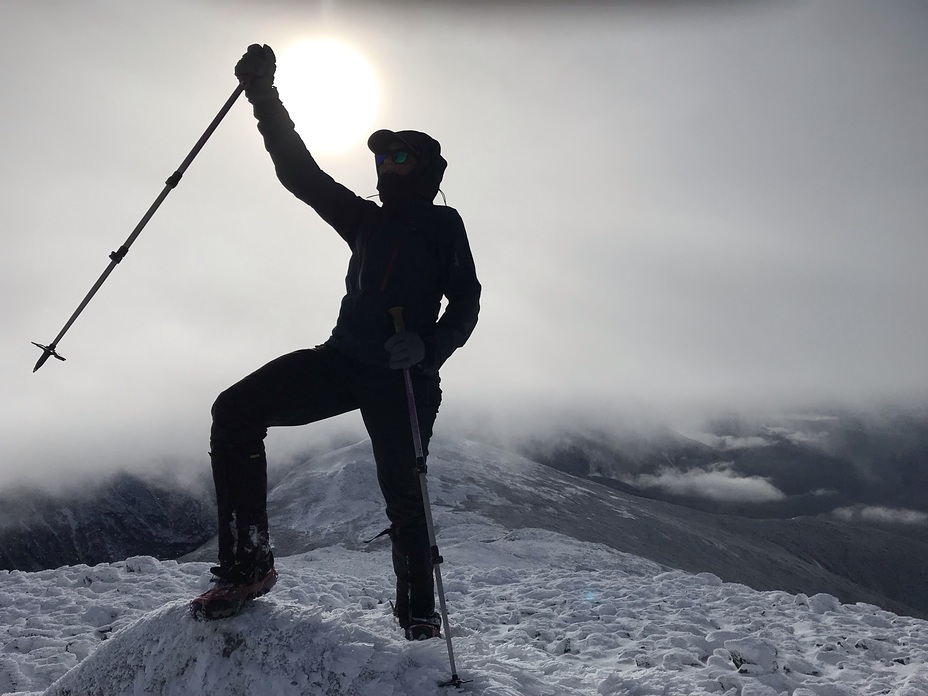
(708, 206)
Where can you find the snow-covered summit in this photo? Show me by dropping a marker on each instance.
(533, 611)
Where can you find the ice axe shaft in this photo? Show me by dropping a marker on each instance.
(422, 470)
(118, 255)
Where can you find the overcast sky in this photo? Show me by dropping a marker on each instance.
(714, 203)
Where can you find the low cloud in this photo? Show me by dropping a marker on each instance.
(821, 492)
(798, 437)
(880, 514)
(718, 483)
(727, 443)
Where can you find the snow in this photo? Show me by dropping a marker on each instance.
(533, 612)
(539, 614)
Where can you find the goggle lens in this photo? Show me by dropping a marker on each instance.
(398, 157)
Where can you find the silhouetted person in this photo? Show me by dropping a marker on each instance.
(405, 252)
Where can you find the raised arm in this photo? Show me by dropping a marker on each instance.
(295, 166)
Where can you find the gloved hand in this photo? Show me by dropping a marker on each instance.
(406, 349)
(256, 69)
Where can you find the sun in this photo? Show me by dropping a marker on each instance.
(331, 92)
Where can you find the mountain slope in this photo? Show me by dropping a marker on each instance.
(334, 499)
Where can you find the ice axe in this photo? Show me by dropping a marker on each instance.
(421, 469)
(49, 351)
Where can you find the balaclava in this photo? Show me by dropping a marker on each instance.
(422, 183)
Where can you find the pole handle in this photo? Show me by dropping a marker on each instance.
(398, 324)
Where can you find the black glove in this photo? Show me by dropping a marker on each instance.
(406, 349)
(256, 69)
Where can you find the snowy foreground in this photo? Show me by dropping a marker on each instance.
(533, 613)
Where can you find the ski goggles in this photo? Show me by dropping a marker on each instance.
(397, 157)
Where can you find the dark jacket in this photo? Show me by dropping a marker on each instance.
(405, 253)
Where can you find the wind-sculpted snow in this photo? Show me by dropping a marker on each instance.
(533, 613)
(274, 648)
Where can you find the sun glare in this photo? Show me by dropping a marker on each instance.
(331, 92)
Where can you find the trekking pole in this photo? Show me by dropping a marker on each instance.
(49, 351)
(421, 469)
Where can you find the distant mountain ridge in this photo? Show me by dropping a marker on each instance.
(333, 499)
(112, 520)
(818, 463)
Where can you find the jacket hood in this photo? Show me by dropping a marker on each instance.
(423, 182)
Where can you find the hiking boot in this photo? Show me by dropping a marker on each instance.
(231, 589)
(424, 628)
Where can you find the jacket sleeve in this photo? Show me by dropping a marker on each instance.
(298, 171)
(462, 290)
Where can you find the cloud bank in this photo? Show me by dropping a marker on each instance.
(881, 515)
(720, 482)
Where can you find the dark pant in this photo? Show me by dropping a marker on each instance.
(305, 387)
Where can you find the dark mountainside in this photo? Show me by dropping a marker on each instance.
(819, 463)
(122, 517)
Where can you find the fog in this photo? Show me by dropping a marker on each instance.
(713, 206)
